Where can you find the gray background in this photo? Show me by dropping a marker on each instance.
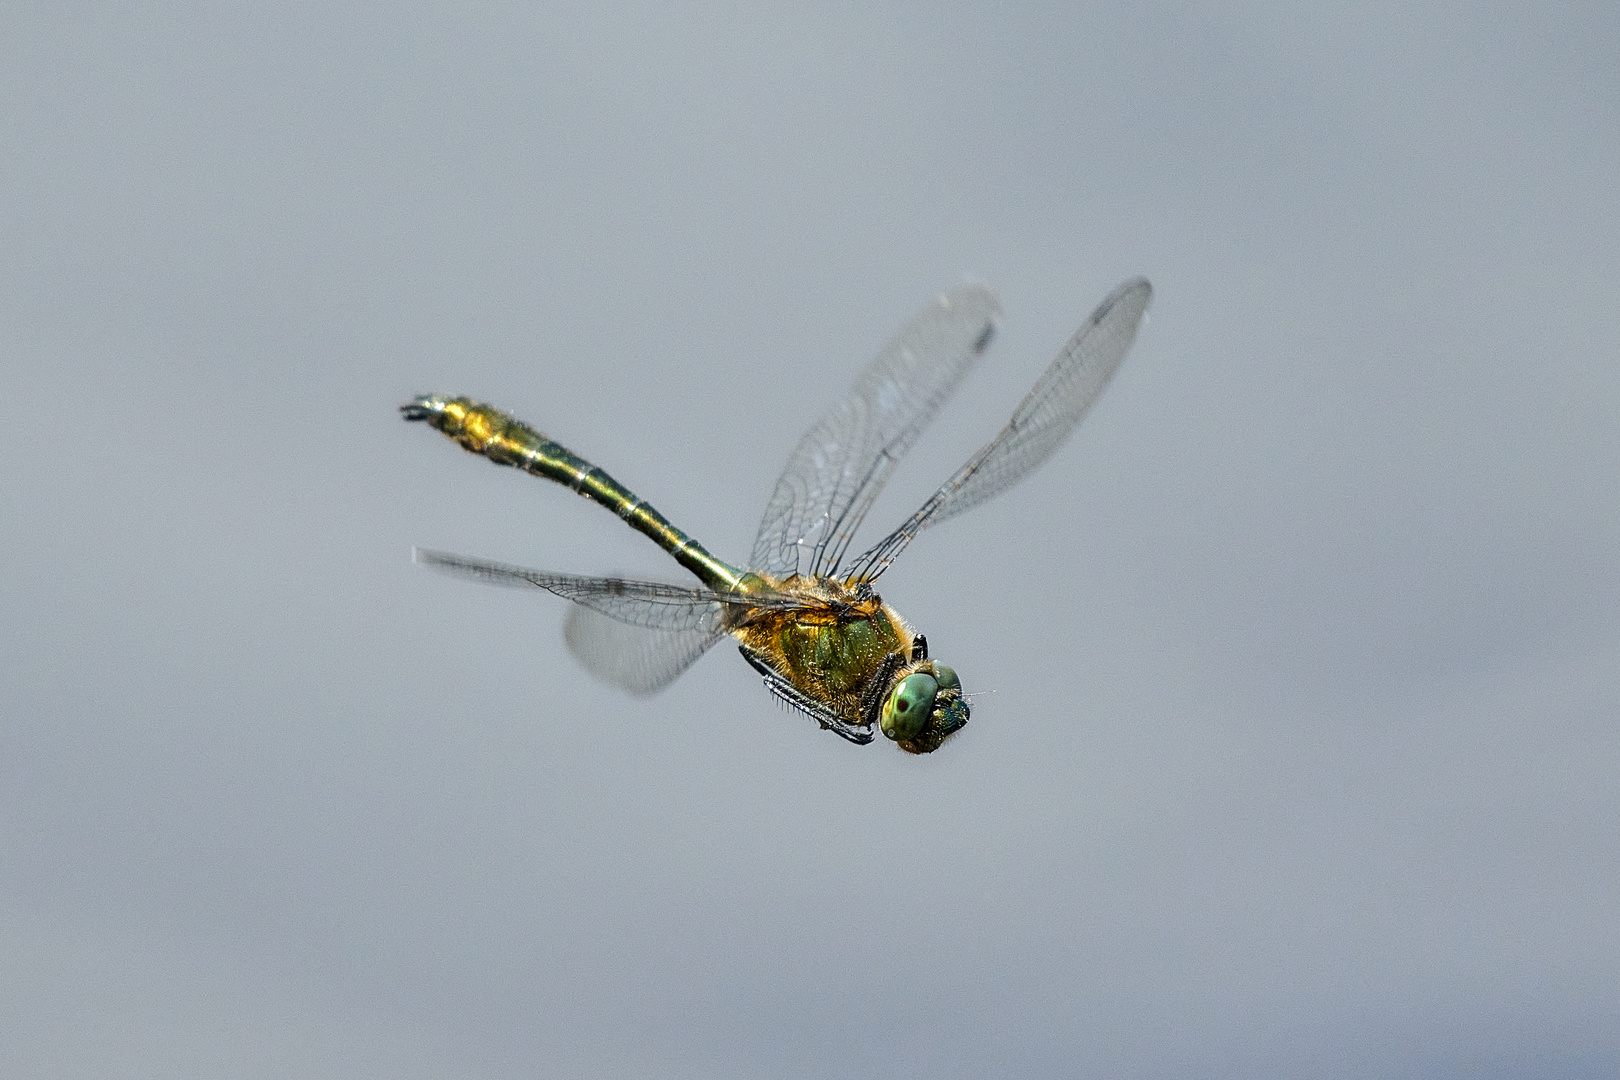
(1302, 756)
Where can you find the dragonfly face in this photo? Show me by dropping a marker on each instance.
(924, 708)
(804, 617)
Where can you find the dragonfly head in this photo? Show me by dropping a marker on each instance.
(924, 707)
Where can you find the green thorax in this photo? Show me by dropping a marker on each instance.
(841, 656)
(833, 647)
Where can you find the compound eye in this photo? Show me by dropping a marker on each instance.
(906, 712)
(945, 675)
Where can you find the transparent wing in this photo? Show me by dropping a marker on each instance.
(842, 462)
(1046, 417)
(649, 604)
(631, 658)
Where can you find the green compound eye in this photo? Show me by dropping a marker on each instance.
(945, 675)
(906, 712)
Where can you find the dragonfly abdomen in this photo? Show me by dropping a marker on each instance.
(505, 440)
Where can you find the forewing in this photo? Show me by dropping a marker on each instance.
(629, 657)
(1040, 424)
(652, 605)
(842, 462)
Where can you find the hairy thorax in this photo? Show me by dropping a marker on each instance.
(834, 646)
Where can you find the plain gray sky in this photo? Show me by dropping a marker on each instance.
(1303, 754)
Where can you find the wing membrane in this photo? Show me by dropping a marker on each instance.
(651, 605)
(842, 462)
(1040, 424)
(629, 657)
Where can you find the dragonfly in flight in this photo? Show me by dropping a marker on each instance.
(806, 617)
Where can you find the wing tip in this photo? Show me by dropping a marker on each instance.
(1132, 295)
(1139, 286)
(971, 292)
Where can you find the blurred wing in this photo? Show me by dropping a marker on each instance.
(649, 604)
(1038, 426)
(842, 463)
(639, 661)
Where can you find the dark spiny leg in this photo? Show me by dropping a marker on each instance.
(787, 692)
(878, 688)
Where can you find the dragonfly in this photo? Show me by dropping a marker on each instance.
(803, 614)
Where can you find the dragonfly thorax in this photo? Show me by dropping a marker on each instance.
(849, 659)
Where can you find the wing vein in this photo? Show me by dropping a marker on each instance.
(1045, 418)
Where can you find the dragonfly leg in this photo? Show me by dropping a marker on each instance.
(858, 736)
(787, 692)
(877, 688)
